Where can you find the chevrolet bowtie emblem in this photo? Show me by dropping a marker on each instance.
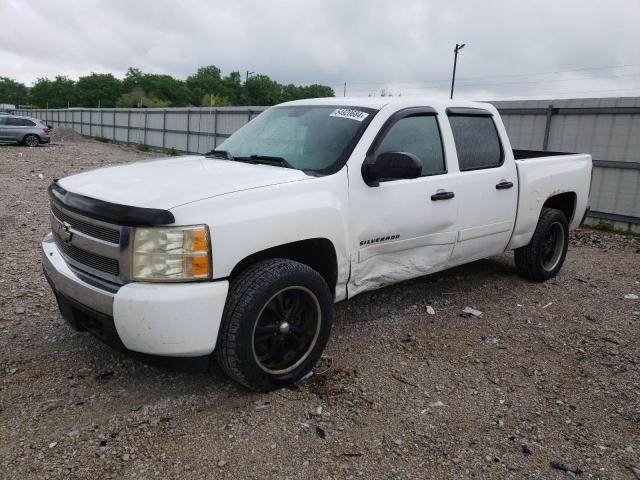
(64, 234)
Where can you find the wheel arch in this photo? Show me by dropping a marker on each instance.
(565, 202)
(317, 253)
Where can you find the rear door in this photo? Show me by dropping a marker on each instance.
(487, 185)
(403, 229)
(15, 128)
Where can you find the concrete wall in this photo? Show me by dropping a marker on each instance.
(607, 128)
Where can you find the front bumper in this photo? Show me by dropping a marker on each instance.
(176, 320)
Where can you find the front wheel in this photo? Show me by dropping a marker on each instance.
(275, 325)
(542, 259)
(31, 140)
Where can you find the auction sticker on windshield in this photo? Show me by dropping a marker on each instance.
(356, 115)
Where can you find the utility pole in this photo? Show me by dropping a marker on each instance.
(344, 91)
(247, 75)
(455, 61)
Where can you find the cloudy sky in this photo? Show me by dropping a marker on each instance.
(514, 49)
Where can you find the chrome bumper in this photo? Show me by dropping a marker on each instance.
(69, 283)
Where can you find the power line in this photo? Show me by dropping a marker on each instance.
(552, 81)
(504, 76)
(563, 93)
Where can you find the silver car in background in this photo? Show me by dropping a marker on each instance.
(23, 130)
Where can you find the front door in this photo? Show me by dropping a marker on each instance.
(403, 229)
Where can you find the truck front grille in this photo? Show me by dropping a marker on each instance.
(94, 247)
(97, 231)
(107, 265)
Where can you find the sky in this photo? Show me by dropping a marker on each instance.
(514, 49)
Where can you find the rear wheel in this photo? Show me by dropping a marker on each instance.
(276, 323)
(543, 258)
(31, 140)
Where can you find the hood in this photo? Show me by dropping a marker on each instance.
(168, 183)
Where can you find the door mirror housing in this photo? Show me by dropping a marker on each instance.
(391, 166)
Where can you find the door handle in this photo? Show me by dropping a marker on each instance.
(503, 185)
(442, 196)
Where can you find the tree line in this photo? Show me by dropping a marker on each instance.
(207, 87)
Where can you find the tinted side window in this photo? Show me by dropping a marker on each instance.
(419, 135)
(2, 119)
(19, 122)
(477, 142)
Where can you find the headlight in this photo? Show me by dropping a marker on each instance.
(171, 254)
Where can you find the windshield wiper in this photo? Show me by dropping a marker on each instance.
(219, 154)
(267, 160)
(262, 159)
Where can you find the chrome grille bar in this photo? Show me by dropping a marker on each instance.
(92, 246)
(96, 231)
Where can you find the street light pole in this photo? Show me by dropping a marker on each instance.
(455, 61)
(247, 75)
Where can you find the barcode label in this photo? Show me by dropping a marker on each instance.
(356, 115)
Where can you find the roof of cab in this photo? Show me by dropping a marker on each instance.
(379, 102)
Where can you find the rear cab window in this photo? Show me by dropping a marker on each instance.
(476, 137)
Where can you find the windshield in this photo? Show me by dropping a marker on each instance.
(315, 138)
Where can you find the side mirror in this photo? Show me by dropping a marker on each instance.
(391, 166)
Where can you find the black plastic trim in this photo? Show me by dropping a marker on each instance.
(390, 122)
(469, 111)
(109, 212)
(519, 154)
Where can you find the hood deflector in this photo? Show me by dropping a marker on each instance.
(109, 212)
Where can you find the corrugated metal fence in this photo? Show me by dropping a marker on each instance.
(608, 129)
(192, 130)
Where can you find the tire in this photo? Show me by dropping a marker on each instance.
(544, 256)
(31, 140)
(276, 324)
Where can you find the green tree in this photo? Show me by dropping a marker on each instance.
(213, 100)
(317, 91)
(98, 88)
(132, 79)
(162, 87)
(261, 90)
(206, 81)
(12, 91)
(138, 98)
(57, 93)
(232, 88)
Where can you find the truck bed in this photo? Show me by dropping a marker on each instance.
(526, 154)
(551, 174)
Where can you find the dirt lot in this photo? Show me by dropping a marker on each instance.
(549, 373)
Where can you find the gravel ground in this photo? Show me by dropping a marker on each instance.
(549, 374)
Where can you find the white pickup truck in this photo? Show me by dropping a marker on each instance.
(241, 253)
